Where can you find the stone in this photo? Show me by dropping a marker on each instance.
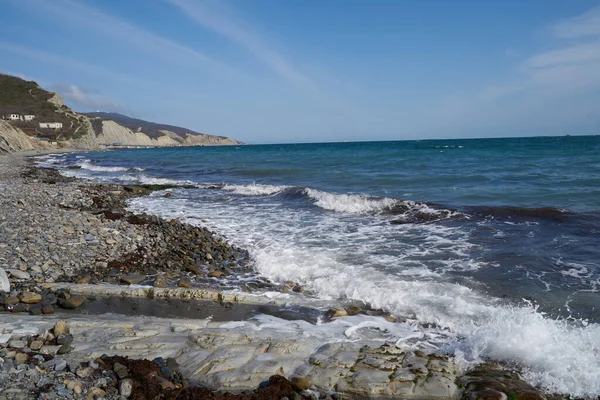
(60, 365)
(17, 344)
(48, 309)
(132, 279)
(64, 338)
(20, 307)
(64, 349)
(30, 297)
(21, 358)
(215, 274)
(49, 350)
(84, 372)
(36, 345)
(96, 392)
(337, 312)
(184, 282)
(125, 387)
(195, 270)
(11, 300)
(18, 274)
(83, 280)
(4, 281)
(160, 281)
(300, 383)
(120, 370)
(166, 384)
(61, 328)
(353, 310)
(72, 303)
(36, 309)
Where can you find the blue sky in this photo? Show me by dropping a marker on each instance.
(272, 71)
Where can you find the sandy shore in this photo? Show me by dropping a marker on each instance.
(145, 288)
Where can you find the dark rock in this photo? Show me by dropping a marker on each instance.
(48, 309)
(71, 303)
(160, 281)
(195, 270)
(184, 282)
(65, 338)
(132, 279)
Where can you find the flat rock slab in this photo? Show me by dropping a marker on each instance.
(235, 356)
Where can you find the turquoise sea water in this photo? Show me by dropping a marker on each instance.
(490, 246)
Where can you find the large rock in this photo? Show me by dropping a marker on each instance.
(4, 282)
(30, 297)
(18, 274)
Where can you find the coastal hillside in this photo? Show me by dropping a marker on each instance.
(163, 133)
(33, 117)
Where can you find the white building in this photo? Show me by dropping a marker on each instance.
(15, 117)
(51, 125)
(28, 117)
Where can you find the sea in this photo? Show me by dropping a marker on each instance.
(488, 248)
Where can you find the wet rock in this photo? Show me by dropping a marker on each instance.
(61, 328)
(160, 281)
(353, 310)
(48, 309)
(215, 274)
(337, 312)
(30, 297)
(71, 303)
(195, 270)
(184, 282)
(133, 279)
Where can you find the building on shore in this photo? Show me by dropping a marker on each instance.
(19, 117)
(51, 125)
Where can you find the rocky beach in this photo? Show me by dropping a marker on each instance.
(98, 302)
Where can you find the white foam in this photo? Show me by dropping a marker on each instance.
(255, 189)
(100, 168)
(349, 203)
(357, 257)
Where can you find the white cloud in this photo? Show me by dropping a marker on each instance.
(84, 99)
(577, 54)
(215, 17)
(78, 15)
(587, 24)
(56, 59)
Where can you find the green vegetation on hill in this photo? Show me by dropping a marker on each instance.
(18, 96)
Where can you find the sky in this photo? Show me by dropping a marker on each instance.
(278, 71)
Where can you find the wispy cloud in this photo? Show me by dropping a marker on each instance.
(66, 62)
(84, 99)
(587, 24)
(79, 15)
(215, 16)
(577, 54)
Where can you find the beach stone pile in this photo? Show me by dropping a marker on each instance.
(37, 366)
(53, 229)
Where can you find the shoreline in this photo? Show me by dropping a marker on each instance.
(210, 352)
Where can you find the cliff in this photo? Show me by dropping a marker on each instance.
(161, 134)
(80, 131)
(13, 140)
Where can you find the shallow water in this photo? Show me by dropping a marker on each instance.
(489, 246)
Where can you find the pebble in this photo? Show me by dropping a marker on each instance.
(125, 387)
